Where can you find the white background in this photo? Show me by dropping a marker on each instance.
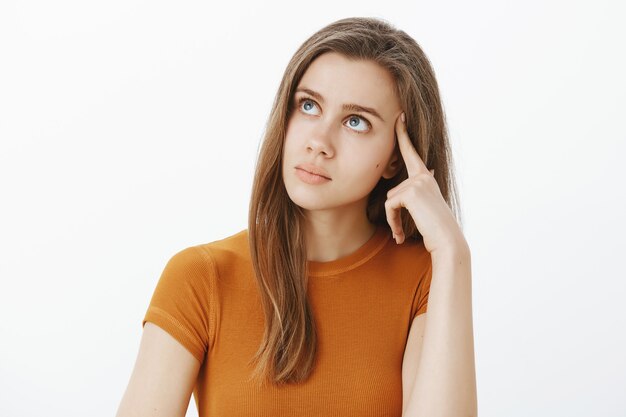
(129, 130)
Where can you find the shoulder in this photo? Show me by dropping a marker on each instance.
(228, 258)
(408, 264)
(231, 248)
(206, 258)
(411, 253)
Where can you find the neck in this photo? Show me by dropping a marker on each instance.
(333, 234)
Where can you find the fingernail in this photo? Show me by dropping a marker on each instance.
(403, 117)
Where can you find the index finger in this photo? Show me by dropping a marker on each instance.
(412, 160)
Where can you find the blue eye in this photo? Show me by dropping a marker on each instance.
(306, 101)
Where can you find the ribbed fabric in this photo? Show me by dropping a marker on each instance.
(363, 305)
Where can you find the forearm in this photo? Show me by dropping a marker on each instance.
(445, 385)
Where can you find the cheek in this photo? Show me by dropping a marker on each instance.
(288, 146)
(374, 167)
(367, 168)
(376, 158)
(291, 134)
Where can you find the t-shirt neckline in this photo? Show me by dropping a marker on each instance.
(370, 248)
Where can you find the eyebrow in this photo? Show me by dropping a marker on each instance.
(349, 106)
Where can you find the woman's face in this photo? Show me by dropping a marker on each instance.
(353, 147)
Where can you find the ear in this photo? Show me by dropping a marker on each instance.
(394, 165)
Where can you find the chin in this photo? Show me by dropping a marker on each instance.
(309, 202)
(306, 199)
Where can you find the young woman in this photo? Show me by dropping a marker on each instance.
(318, 308)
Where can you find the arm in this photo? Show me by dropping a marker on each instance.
(163, 377)
(412, 354)
(441, 343)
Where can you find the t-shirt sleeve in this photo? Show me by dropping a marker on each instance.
(420, 300)
(181, 301)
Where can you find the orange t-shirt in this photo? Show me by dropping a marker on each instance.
(363, 305)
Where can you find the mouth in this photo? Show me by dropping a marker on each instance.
(313, 170)
(311, 178)
(311, 173)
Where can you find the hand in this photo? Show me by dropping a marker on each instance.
(421, 196)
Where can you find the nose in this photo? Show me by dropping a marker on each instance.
(320, 140)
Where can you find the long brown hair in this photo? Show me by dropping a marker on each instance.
(276, 224)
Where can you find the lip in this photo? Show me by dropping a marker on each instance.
(309, 178)
(312, 169)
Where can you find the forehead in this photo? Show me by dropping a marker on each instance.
(343, 80)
